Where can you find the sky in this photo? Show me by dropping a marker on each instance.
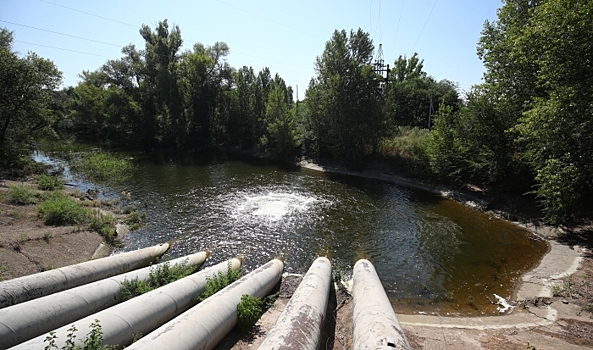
(285, 36)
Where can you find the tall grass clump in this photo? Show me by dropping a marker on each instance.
(159, 276)
(22, 195)
(59, 209)
(49, 183)
(104, 167)
(219, 281)
(408, 148)
(104, 224)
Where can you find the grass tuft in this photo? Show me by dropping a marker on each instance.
(104, 224)
(159, 276)
(249, 310)
(104, 167)
(49, 183)
(22, 195)
(219, 281)
(59, 209)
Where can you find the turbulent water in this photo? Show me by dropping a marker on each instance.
(432, 254)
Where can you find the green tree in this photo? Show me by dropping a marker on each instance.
(344, 120)
(281, 136)
(557, 130)
(27, 88)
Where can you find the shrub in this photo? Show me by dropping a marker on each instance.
(49, 183)
(135, 220)
(104, 224)
(59, 209)
(159, 276)
(219, 281)
(249, 310)
(21, 195)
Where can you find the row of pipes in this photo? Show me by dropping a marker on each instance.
(168, 317)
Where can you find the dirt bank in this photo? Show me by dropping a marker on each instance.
(28, 246)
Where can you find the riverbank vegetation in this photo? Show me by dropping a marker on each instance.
(527, 128)
(159, 275)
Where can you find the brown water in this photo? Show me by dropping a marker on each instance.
(432, 254)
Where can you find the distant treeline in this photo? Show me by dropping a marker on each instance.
(529, 126)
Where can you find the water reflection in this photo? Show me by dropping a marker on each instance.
(432, 254)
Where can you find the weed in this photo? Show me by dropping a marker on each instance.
(104, 167)
(219, 281)
(22, 239)
(47, 235)
(566, 289)
(59, 210)
(2, 270)
(92, 341)
(159, 276)
(530, 347)
(104, 224)
(49, 183)
(135, 220)
(249, 310)
(22, 195)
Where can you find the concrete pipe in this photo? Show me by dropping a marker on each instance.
(374, 323)
(142, 314)
(300, 323)
(30, 287)
(24, 321)
(204, 325)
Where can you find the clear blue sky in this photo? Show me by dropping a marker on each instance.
(285, 36)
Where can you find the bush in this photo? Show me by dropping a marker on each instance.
(21, 195)
(49, 183)
(219, 281)
(159, 276)
(59, 209)
(249, 310)
(92, 341)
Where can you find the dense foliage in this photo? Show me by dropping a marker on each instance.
(27, 94)
(528, 127)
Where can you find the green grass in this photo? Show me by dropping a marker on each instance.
(22, 195)
(2, 270)
(134, 220)
(219, 281)
(59, 209)
(49, 183)
(104, 224)
(407, 143)
(159, 276)
(104, 167)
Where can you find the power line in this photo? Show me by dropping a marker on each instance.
(397, 28)
(51, 31)
(267, 59)
(61, 48)
(90, 14)
(425, 23)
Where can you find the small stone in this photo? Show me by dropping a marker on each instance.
(564, 301)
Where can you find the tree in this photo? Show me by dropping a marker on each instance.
(410, 90)
(344, 120)
(26, 91)
(557, 130)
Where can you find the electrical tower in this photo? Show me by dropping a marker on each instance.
(381, 69)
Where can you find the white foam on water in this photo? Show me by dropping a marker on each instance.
(273, 206)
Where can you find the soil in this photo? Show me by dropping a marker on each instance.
(541, 319)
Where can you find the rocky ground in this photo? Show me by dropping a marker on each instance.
(552, 306)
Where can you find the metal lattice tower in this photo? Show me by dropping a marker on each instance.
(380, 68)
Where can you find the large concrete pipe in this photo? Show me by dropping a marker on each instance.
(374, 323)
(204, 325)
(30, 287)
(24, 321)
(300, 323)
(142, 314)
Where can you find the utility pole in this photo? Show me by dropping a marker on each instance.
(430, 110)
